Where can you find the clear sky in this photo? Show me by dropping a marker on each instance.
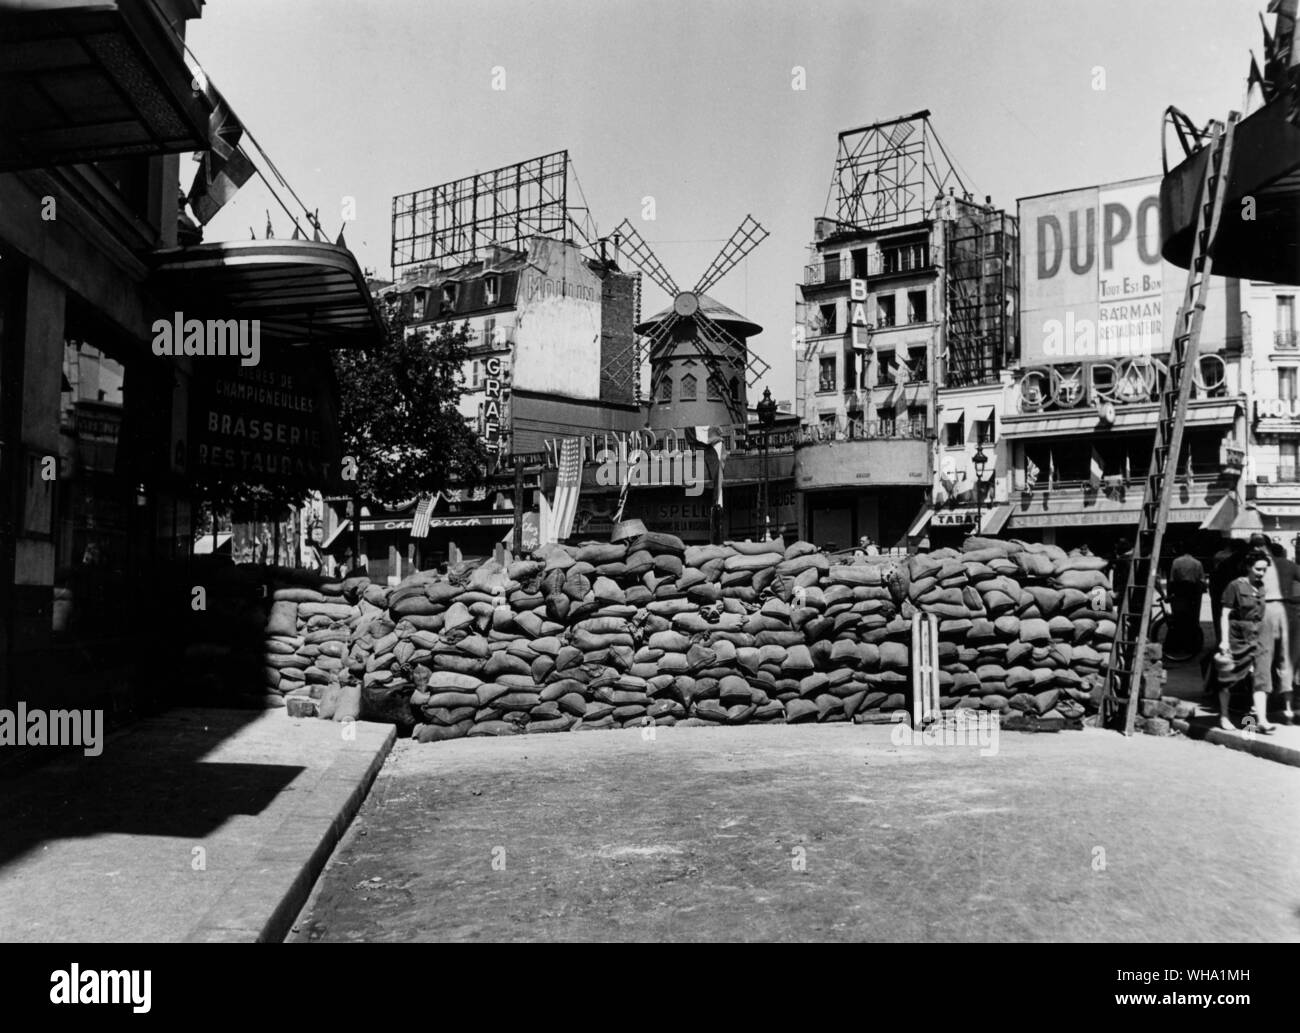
(691, 103)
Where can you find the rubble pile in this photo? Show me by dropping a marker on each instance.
(603, 635)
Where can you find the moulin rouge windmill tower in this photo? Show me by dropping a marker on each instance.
(700, 364)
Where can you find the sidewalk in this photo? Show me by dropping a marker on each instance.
(1184, 681)
(207, 825)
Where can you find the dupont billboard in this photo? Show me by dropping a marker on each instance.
(1092, 283)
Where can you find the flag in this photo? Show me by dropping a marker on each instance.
(1095, 470)
(1031, 473)
(1189, 467)
(543, 520)
(567, 488)
(711, 438)
(225, 167)
(630, 463)
(420, 524)
(1128, 473)
(1051, 469)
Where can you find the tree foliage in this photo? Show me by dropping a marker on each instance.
(398, 415)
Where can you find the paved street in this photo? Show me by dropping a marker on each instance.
(816, 832)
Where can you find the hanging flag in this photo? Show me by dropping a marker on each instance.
(420, 524)
(567, 488)
(1051, 469)
(1189, 467)
(1031, 472)
(1128, 473)
(627, 483)
(711, 438)
(225, 167)
(1095, 470)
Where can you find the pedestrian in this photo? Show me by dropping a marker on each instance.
(1289, 583)
(867, 546)
(1119, 568)
(1186, 586)
(1247, 651)
(1225, 567)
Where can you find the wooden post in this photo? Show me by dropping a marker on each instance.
(519, 509)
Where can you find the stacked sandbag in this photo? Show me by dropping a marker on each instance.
(1024, 628)
(650, 631)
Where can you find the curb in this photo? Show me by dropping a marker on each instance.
(1257, 745)
(263, 909)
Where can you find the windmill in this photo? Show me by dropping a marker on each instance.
(696, 329)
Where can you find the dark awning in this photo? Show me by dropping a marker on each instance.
(86, 82)
(1265, 166)
(302, 291)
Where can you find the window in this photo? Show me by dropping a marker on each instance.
(476, 373)
(688, 388)
(1286, 383)
(417, 306)
(831, 266)
(489, 330)
(449, 295)
(850, 371)
(885, 310)
(860, 264)
(888, 422)
(954, 432)
(1288, 460)
(902, 258)
(885, 367)
(984, 431)
(1286, 336)
(491, 290)
(826, 374)
(734, 389)
(665, 388)
(916, 421)
(827, 313)
(712, 391)
(916, 307)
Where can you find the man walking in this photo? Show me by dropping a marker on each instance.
(1186, 586)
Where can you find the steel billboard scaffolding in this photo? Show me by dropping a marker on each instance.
(898, 172)
(453, 223)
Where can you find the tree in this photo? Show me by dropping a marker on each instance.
(398, 416)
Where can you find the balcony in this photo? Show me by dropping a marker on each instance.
(1117, 502)
(1285, 340)
(888, 262)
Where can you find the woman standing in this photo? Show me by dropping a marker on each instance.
(1241, 655)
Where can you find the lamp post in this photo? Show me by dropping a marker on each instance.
(980, 461)
(766, 418)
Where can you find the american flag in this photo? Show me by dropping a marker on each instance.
(420, 525)
(567, 489)
(1031, 472)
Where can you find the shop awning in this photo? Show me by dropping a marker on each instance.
(996, 519)
(335, 536)
(1127, 418)
(1222, 514)
(476, 520)
(951, 415)
(984, 413)
(83, 82)
(302, 291)
(203, 544)
(921, 522)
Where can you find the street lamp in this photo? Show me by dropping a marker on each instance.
(980, 461)
(766, 418)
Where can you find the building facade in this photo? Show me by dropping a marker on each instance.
(1098, 307)
(1270, 367)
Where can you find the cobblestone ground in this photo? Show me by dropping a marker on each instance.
(825, 832)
